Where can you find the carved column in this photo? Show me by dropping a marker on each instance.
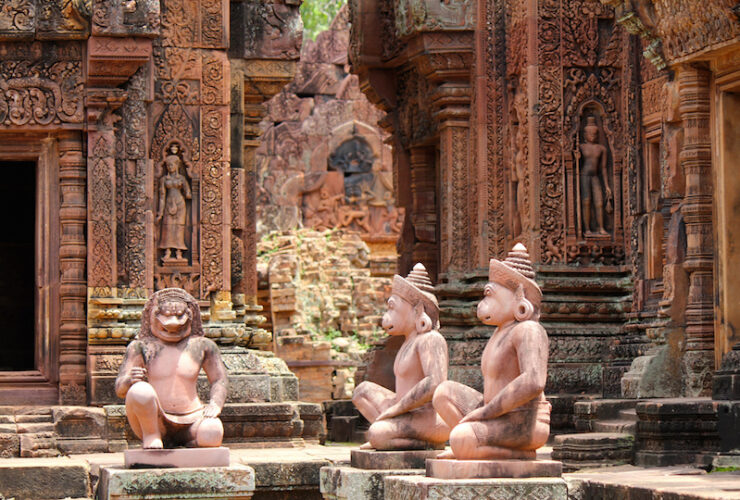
(424, 208)
(72, 257)
(453, 103)
(102, 190)
(695, 158)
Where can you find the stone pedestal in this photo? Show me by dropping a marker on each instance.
(233, 483)
(422, 488)
(672, 431)
(388, 460)
(484, 469)
(349, 483)
(593, 449)
(178, 457)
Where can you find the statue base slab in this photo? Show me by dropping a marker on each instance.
(423, 488)
(349, 483)
(235, 483)
(397, 459)
(176, 457)
(483, 469)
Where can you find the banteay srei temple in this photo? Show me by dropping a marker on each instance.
(373, 249)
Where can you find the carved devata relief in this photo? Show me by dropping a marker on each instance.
(176, 211)
(174, 197)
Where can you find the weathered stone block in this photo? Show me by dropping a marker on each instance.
(672, 431)
(179, 457)
(10, 445)
(235, 482)
(578, 451)
(42, 478)
(76, 421)
(349, 483)
(373, 459)
(423, 488)
(483, 469)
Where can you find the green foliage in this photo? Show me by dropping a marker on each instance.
(331, 334)
(317, 15)
(729, 468)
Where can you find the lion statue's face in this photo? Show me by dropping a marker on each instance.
(171, 321)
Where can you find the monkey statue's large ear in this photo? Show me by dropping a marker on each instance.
(423, 321)
(524, 308)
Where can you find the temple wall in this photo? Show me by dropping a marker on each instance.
(130, 111)
(598, 134)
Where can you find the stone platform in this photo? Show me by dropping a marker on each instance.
(349, 483)
(385, 460)
(233, 483)
(178, 457)
(364, 479)
(423, 488)
(484, 469)
(293, 474)
(593, 449)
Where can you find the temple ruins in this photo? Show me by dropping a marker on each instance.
(284, 187)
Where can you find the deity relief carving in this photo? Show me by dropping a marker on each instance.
(174, 194)
(593, 180)
(518, 175)
(357, 193)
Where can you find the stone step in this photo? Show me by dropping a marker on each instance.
(44, 478)
(35, 428)
(605, 415)
(34, 419)
(628, 414)
(593, 449)
(615, 426)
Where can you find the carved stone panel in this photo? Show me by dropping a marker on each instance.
(267, 30)
(41, 84)
(125, 17)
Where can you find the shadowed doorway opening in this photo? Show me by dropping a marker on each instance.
(17, 266)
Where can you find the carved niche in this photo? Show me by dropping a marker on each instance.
(596, 67)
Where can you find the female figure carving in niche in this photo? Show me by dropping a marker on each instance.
(174, 189)
(593, 164)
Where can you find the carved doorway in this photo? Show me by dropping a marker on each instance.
(29, 270)
(17, 272)
(727, 218)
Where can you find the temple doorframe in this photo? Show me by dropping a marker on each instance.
(40, 385)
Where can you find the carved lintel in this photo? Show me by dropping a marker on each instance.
(112, 61)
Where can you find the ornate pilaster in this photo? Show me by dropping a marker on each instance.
(72, 259)
(696, 160)
(452, 103)
(101, 193)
